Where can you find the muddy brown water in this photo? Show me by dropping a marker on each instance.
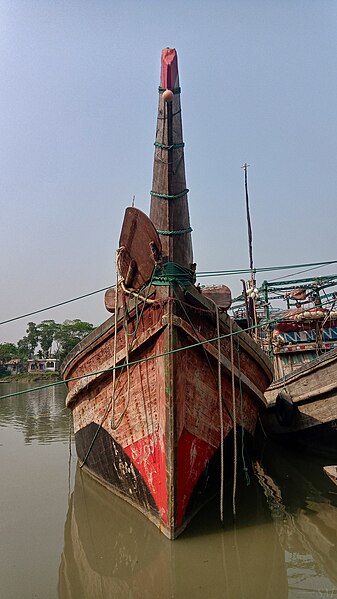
(64, 536)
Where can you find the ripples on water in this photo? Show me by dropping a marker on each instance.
(40, 415)
(65, 536)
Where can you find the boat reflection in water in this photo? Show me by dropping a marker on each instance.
(111, 550)
(284, 543)
(303, 504)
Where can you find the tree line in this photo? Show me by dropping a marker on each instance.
(46, 339)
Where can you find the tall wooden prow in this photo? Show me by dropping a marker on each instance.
(153, 394)
(169, 205)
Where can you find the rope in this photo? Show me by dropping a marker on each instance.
(163, 354)
(96, 434)
(171, 273)
(74, 299)
(177, 232)
(175, 90)
(220, 415)
(115, 425)
(200, 274)
(205, 352)
(165, 196)
(112, 400)
(171, 147)
(266, 268)
(115, 343)
(69, 458)
(128, 349)
(234, 424)
(245, 469)
(137, 294)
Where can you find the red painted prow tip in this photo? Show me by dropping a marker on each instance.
(169, 76)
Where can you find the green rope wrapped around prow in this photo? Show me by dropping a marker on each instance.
(177, 232)
(165, 196)
(171, 273)
(171, 147)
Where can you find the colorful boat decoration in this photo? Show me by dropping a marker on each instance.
(159, 388)
(302, 400)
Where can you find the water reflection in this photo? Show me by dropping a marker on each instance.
(40, 415)
(113, 551)
(284, 543)
(35, 480)
(303, 504)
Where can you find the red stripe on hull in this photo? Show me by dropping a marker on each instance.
(193, 457)
(150, 460)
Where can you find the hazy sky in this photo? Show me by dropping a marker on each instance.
(78, 107)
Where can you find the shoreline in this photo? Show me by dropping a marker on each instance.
(27, 377)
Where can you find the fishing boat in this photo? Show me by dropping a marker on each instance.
(302, 400)
(159, 388)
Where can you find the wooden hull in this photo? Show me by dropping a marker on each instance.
(312, 410)
(154, 439)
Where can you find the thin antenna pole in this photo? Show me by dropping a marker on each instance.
(252, 302)
(250, 233)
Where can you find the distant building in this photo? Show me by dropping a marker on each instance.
(12, 366)
(43, 365)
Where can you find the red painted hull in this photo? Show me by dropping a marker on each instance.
(165, 406)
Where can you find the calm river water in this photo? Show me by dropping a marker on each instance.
(64, 536)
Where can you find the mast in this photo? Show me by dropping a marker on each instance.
(249, 225)
(169, 205)
(252, 299)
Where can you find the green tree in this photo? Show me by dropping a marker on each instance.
(8, 351)
(3, 371)
(24, 348)
(32, 337)
(69, 333)
(46, 331)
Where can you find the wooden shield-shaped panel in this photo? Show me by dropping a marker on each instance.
(139, 248)
(110, 299)
(220, 294)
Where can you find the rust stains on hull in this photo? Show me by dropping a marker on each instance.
(166, 406)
